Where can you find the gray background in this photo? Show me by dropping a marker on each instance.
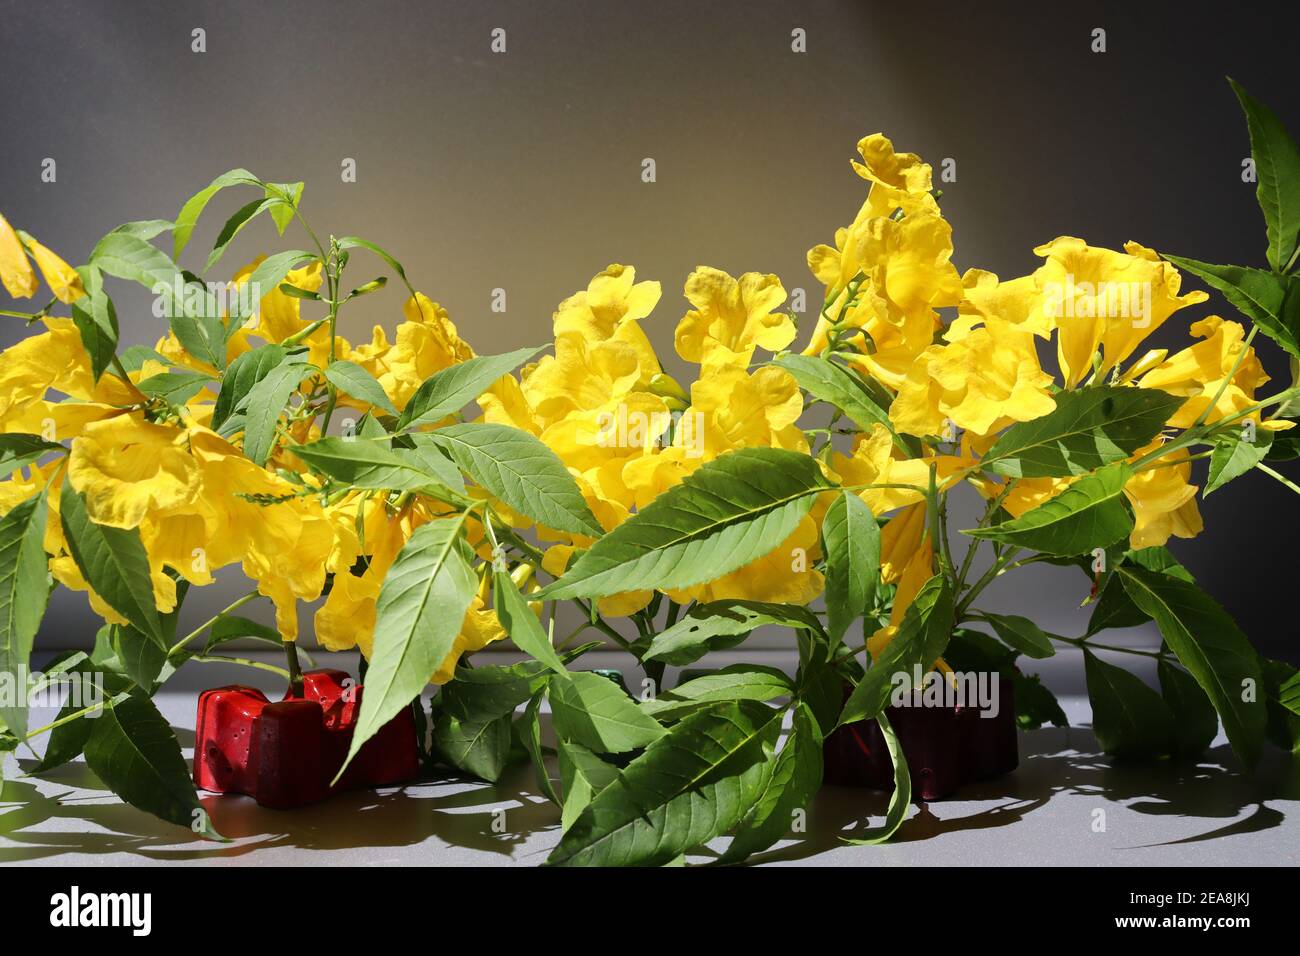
(521, 170)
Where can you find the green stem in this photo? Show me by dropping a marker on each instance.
(294, 673)
(1081, 642)
(236, 605)
(1280, 477)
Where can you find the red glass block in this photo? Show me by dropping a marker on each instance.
(945, 747)
(284, 754)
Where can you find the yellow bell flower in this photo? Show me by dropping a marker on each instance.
(610, 308)
(1163, 499)
(987, 301)
(426, 342)
(898, 180)
(979, 383)
(63, 280)
(16, 273)
(1104, 299)
(875, 461)
(900, 538)
(731, 317)
(1201, 370)
(918, 570)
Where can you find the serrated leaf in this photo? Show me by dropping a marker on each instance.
(594, 711)
(530, 735)
(24, 591)
(188, 217)
(232, 627)
(113, 562)
(19, 449)
(95, 317)
(266, 402)
(852, 540)
(1089, 513)
(1277, 169)
(268, 275)
(1195, 721)
(244, 372)
(480, 748)
(1022, 634)
(351, 379)
(369, 463)
(582, 776)
(522, 624)
(133, 751)
(718, 625)
(901, 798)
(421, 605)
(1035, 704)
(484, 693)
(355, 242)
(451, 389)
(728, 513)
(1089, 428)
(796, 778)
(734, 682)
(1212, 648)
(1257, 294)
(1233, 456)
(175, 388)
(1129, 719)
(282, 212)
(920, 640)
(828, 382)
(234, 225)
(521, 471)
(691, 785)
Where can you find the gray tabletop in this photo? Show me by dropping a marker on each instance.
(1065, 805)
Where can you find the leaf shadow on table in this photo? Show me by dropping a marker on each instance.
(1057, 761)
(447, 810)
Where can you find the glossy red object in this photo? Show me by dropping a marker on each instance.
(945, 747)
(284, 754)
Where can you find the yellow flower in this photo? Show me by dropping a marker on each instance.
(16, 273)
(784, 575)
(1201, 370)
(898, 180)
(610, 308)
(918, 570)
(127, 468)
(997, 305)
(62, 279)
(875, 461)
(732, 317)
(427, 342)
(900, 538)
(1163, 499)
(980, 383)
(1104, 299)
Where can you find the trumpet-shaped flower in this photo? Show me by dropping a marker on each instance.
(731, 317)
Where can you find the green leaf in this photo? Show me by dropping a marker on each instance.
(582, 776)
(175, 388)
(728, 513)
(290, 195)
(718, 625)
(234, 225)
(1089, 513)
(521, 471)
(796, 778)
(134, 752)
(264, 405)
(188, 217)
(1258, 295)
(480, 748)
(232, 627)
(734, 682)
(1282, 687)
(351, 379)
(145, 228)
(1277, 167)
(142, 660)
(690, 786)
(1114, 607)
(1128, 717)
(530, 735)
(1035, 704)
(828, 382)
(95, 317)
(902, 796)
(921, 639)
(268, 275)
(521, 623)
(129, 257)
(1212, 648)
(1089, 428)
(480, 694)
(244, 372)
(24, 591)
(852, 540)
(113, 562)
(421, 605)
(1195, 721)
(1233, 456)
(454, 387)
(354, 242)
(369, 463)
(595, 712)
(19, 449)
(1022, 634)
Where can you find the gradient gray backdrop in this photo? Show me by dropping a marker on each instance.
(522, 170)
